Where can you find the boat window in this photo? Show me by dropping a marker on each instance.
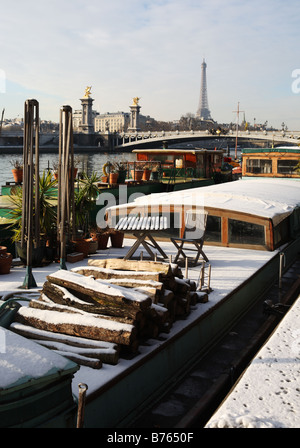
(213, 229)
(259, 166)
(242, 232)
(281, 233)
(285, 166)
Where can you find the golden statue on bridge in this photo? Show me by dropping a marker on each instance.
(87, 92)
(136, 101)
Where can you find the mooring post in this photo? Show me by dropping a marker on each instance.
(66, 201)
(30, 233)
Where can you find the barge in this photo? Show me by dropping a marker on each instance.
(241, 273)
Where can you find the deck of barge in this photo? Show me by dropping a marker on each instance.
(230, 269)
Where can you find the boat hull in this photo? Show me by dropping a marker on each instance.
(120, 401)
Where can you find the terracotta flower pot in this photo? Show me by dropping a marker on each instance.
(116, 239)
(137, 175)
(18, 175)
(75, 171)
(113, 178)
(82, 245)
(3, 250)
(146, 174)
(93, 246)
(5, 263)
(103, 240)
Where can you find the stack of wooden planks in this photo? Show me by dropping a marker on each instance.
(96, 313)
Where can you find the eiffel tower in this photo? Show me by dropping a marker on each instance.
(203, 111)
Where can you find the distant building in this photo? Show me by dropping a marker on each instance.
(112, 122)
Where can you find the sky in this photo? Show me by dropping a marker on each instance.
(153, 49)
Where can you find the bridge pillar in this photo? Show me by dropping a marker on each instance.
(135, 112)
(87, 125)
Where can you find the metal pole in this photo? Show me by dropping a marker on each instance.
(66, 201)
(281, 265)
(81, 404)
(30, 232)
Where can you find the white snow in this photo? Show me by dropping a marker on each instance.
(230, 267)
(58, 318)
(268, 394)
(268, 198)
(99, 285)
(22, 360)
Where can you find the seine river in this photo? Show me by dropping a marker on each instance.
(87, 162)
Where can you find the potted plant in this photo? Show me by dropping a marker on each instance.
(47, 218)
(17, 170)
(76, 162)
(5, 263)
(116, 238)
(137, 172)
(155, 172)
(147, 172)
(85, 198)
(113, 173)
(55, 166)
(121, 168)
(55, 170)
(101, 236)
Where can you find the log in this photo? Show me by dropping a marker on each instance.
(44, 303)
(133, 265)
(202, 297)
(95, 353)
(77, 325)
(101, 292)
(75, 341)
(107, 274)
(63, 296)
(81, 360)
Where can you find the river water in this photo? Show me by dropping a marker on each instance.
(87, 162)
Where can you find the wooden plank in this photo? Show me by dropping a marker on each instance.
(133, 265)
(45, 303)
(104, 273)
(100, 292)
(63, 296)
(83, 326)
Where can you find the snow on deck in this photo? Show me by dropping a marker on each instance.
(230, 268)
(268, 394)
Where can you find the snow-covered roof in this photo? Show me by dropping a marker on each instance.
(268, 198)
(22, 360)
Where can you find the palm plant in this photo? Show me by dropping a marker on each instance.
(48, 201)
(85, 198)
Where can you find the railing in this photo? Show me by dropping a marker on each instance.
(131, 138)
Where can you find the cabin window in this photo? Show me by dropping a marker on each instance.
(213, 229)
(281, 233)
(259, 166)
(242, 232)
(285, 166)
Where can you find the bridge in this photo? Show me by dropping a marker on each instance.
(128, 140)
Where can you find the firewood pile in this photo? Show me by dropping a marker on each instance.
(102, 311)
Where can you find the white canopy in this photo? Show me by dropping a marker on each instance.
(268, 198)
